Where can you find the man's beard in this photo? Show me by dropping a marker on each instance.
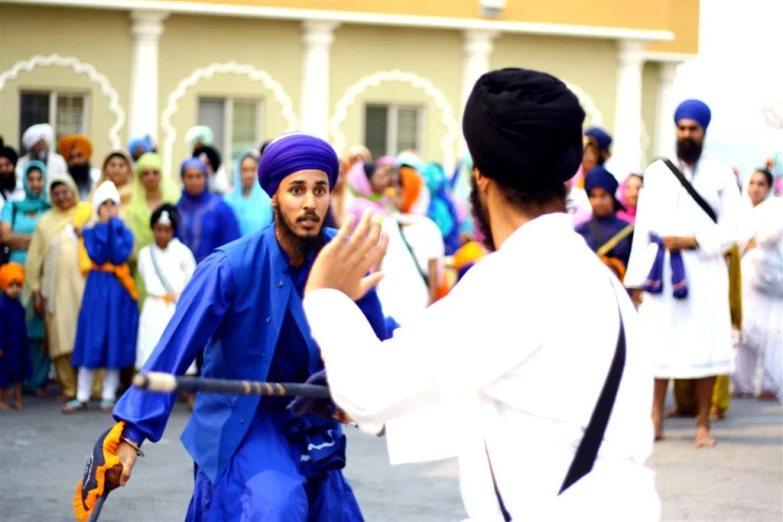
(480, 216)
(689, 150)
(301, 245)
(80, 174)
(8, 181)
(41, 155)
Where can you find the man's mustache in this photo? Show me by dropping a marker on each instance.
(309, 217)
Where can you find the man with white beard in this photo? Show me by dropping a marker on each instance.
(38, 140)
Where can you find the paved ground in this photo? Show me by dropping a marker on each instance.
(42, 454)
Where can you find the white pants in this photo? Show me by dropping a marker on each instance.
(111, 381)
(746, 369)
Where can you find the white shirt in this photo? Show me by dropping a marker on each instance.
(515, 355)
(17, 194)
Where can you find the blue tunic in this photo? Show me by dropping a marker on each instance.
(254, 459)
(15, 363)
(206, 223)
(109, 316)
(598, 231)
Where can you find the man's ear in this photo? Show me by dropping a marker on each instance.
(481, 180)
(273, 199)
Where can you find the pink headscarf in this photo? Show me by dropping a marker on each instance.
(629, 214)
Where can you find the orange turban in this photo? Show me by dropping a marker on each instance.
(80, 142)
(10, 273)
(412, 184)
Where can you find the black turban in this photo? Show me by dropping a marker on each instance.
(171, 216)
(524, 129)
(10, 154)
(212, 155)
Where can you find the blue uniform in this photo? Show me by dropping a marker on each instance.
(206, 222)
(15, 362)
(598, 231)
(109, 316)
(254, 459)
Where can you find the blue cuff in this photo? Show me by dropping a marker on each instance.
(133, 434)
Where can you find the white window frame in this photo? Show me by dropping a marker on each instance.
(228, 120)
(392, 121)
(53, 95)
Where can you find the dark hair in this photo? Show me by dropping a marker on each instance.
(263, 147)
(173, 214)
(531, 201)
(767, 175)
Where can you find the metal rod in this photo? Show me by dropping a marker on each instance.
(166, 383)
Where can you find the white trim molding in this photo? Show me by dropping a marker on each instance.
(190, 81)
(448, 143)
(350, 17)
(79, 67)
(658, 56)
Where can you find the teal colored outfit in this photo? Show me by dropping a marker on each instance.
(23, 216)
(253, 211)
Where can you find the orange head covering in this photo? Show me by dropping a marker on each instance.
(11, 273)
(80, 142)
(412, 185)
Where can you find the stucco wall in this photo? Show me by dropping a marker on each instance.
(190, 43)
(436, 56)
(588, 66)
(99, 38)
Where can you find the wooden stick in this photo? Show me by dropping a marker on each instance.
(166, 383)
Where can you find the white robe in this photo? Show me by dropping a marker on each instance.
(762, 314)
(691, 337)
(177, 264)
(484, 359)
(403, 292)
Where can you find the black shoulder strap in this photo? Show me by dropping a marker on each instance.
(595, 231)
(692, 191)
(587, 452)
(413, 255)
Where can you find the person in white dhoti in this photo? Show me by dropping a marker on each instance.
(761, 338)
(684, 314)
(38, 140)
(166, 266)
(470, 371)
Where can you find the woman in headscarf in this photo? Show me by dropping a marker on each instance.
(55, 275)
(252, 206)
(137, 147)
(629, 197)
(117, 169)
(151, 188)
(762, 291)
(207, 222)
(19, 219)
(369, 183)
(341, 195)
(442, 209)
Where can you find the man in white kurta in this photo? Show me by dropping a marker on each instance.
(482, 361)
(689, 338)
(38, 139)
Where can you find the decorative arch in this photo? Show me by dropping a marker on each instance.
(448, 143)
(253, 74)
(79, 67)
(588, 104)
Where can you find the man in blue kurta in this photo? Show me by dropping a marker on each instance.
(606, 234)
(254, 459)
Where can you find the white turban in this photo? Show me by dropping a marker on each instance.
(36, 133)
(200, 133)
(105, 192)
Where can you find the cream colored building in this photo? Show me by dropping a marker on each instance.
(391, 74)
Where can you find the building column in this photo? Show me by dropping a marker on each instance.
(477, 49)
(627, 139)
(146, 28)
(314, 115)
(664, 126)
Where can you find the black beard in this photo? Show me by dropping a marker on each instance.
(689, 150)
(8, 182)
(80, 173)
(302, 245)
(480, 216)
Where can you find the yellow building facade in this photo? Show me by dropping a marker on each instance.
(392, 75)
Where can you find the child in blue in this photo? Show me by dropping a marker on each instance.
(14, 355)
(109, 317)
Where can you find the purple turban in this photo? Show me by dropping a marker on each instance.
(292, 153)
(603, 138)
(192, 162)
(599, 177)
(693, 110)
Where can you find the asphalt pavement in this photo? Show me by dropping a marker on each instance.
(43, 452)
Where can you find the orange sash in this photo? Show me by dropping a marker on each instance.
(123, 274)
